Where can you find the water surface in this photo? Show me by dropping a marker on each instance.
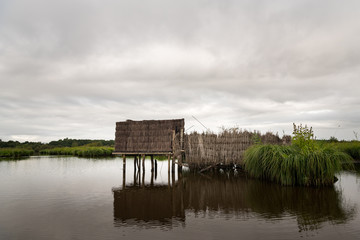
(77, 198)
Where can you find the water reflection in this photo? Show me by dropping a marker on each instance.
(226, 194)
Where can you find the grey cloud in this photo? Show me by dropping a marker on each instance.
(76, 67)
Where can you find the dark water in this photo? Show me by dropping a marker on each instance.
(73, 198)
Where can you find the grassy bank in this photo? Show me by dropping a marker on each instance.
(80, 151)
(15, 152)
(352, 148)
(303, 163)
(66, 146)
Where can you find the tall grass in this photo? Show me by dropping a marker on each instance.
(303, 163)
(351, 148)
(288, 165)
(80, 151)
(15, 152)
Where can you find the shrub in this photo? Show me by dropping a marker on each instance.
(302, 163)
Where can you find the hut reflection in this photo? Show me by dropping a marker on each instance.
(229, 194)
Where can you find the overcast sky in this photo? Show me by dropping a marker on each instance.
(72, 68)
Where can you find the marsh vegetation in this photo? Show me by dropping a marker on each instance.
(302, 163)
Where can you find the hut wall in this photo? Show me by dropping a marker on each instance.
(226, 148)
(146, 136)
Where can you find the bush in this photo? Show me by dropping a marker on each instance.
(303, 163)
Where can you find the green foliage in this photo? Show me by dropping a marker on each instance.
(80, 151)
(37, 147)
(68, 142)
(288, 165)
(303, 137)
(15, 152)
(304, 163)
(352, 148)
(256, 138)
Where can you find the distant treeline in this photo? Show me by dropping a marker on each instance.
(37, 147)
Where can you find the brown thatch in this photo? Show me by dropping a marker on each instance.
(149, 136)
(226, 148)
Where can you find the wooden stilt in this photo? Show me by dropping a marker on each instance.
(152, 163)
(169, 179)
(143, 174)
(143, 162)
(152, 179)
(173, 179)
(138, 163)
(139, 171)
(180, 160)
(124, 171)
(155, 169)
(135, 171)
(143, 179)
(173, 164)
(169, 156)
(180, 163)
(139, 168)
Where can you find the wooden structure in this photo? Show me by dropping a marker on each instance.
(226, 148)
(200, 151)
(150, 138)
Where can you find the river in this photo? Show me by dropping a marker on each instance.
(77, 198)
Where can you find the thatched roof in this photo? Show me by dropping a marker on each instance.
(148, 136)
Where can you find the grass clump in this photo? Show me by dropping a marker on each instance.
(303, 163)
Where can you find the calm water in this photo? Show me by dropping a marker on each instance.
(75, 198)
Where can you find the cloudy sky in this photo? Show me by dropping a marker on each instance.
(72, 68)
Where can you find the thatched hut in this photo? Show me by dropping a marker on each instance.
(148, 136)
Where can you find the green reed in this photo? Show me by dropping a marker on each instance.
(15, 152)
(80, 151)
(303, 163)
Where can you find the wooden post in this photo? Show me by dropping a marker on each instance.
(152, 179)
(173, 179)
(139, 168)
(173, 201)
(124, 171)
(173, 152)
(181, 150)
(173, 164)
(143, 162)
(143, 174)
(155, 169)
(169, 179)
(143, 179)
(135, 172)
(152, 163)
(169, 162)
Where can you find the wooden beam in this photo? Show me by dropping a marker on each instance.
(169, 156)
